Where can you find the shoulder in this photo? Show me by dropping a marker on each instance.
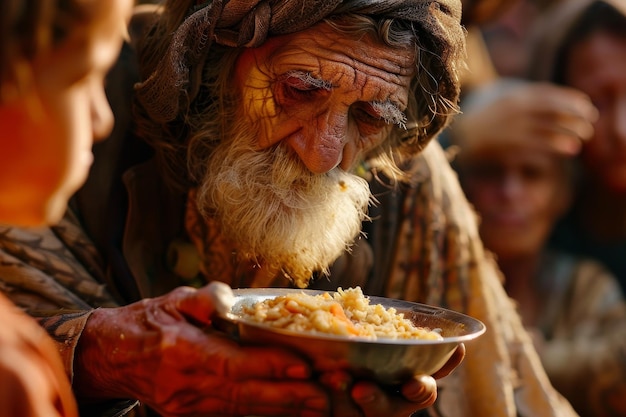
(578, 276)
(595, 283)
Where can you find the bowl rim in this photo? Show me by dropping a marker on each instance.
(233, 324)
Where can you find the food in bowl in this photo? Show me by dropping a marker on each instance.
(345, 312)
(385, 360)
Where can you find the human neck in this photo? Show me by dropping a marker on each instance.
(519, 273)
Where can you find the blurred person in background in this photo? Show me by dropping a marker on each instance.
(582, 45)
(556, 117)
(507, 39)
(53, 59)
(497, 38)
(572, 305)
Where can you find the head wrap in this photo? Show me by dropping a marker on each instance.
(248, 23)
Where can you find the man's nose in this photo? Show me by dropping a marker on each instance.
(320, 145)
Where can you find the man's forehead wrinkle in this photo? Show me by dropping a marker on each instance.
(393, 92)
(380, 58)
(382, 69)
(371, 70)
(293, 61)
(354, 74)
(330, 46)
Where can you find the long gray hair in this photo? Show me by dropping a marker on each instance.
(185, 99)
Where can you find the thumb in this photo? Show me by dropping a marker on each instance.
(201, 304)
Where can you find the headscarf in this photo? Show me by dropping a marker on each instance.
(248, 23)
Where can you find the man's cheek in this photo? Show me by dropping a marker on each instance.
(260, 111)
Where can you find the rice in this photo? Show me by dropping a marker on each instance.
(346, 312)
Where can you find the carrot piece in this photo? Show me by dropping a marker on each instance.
(337, 311)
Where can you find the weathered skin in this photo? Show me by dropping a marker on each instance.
(206, 373)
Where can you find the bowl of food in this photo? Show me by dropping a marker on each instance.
(382, 339)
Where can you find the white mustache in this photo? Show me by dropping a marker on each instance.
(276, 211)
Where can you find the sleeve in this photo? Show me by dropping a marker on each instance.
(56, 276)
(586, 358)
(65, 330)
(53, 274)
(427, 237)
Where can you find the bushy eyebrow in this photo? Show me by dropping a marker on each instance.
(390, 113)
(310, 80)
(386, 110)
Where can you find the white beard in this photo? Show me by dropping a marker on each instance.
(277, 213)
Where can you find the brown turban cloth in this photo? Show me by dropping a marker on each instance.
(248, 23)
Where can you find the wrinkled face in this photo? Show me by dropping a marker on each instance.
(518, 195)
(311, 104)
(326, 97)
(597, 67)
(48, 131)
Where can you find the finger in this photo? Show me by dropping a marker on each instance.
(564, 124)
(417, 394)
(221, 296)
(537, 135)
(551, 141)
(565, 145)
(297, 404)
(566, 100)
(256, 398)
(338, 385)
(336, 381)
(421, 391)
(455, 360)
(200, 305)
(267, 363)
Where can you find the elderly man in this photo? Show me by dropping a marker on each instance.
(266, 119)
(268, 137)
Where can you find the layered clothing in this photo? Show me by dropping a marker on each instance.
(134, 237)
(423, 246)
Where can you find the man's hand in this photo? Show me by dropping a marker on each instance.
(370, 400)
(156, 351)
